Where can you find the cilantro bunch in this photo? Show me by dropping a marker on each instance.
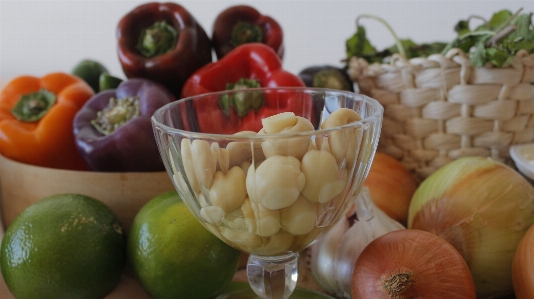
(496, 41)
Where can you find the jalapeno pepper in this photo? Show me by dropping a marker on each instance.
(242, 24)
(247, 66)
(162, 42)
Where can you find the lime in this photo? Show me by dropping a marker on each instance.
(63, 246)
(174, 256)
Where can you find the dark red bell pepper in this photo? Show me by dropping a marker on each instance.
(113, 130)
(241, 24)
(162, 42)
(247, 66)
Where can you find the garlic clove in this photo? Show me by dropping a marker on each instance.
(248, 214)
(241, 237)
(187, 159)
(323, 181)
(212, 214)
(276, 244)
(267, 221)
(204, 162)
(276, 183)
(295, 146)
(228, 191)
(276, 123)
(300, 217)
(342, 143)
(223, 160)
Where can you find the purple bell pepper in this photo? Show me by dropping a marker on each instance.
(113, 130)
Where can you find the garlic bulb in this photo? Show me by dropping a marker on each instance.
(332, 258)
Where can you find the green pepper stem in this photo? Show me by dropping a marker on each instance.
(157, 39)
(383, 22)
(116, 114)
(241, 102)
(245, 32)
(33, 106)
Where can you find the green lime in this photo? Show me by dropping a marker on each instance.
(174, 256)
(90, 71)
(64, 246)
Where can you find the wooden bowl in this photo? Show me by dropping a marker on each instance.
(124, 192)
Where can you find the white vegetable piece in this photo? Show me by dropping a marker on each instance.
(276, 183)
(323, 180)
(342, 143)
(276, 244)
(294, 146)
(241, 237)
(222, 157)
(276, 123)
(238, 152)
(187, 159)
(212, 214)
(248, 214)
(267, 221)
(204, 162)
(299, 218)
(245, 165)
(228, 191)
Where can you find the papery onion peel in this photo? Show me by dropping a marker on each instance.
(483, 208)
(411, 264)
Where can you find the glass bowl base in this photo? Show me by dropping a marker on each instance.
(241, 290)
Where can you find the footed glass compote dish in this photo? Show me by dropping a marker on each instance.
(269, 170)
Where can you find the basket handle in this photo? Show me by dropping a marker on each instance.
(383, 22)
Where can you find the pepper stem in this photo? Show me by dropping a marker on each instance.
(157, 39)
(241, 102)
(245, 32)
(33, 106)
(117, 113)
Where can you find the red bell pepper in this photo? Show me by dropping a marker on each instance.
(247, 66)
(162, 42)
(241, 24)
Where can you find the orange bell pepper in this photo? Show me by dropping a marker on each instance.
(41, 133)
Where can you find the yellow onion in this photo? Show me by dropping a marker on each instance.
(483, 208)
(523, 267)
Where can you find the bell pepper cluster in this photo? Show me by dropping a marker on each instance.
(92, 120)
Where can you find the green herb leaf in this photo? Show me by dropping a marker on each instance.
(499, 18)
(478, 57)
(462, 27)
(358, 45)
(498, 57)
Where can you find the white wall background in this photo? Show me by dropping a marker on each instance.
(38, 37)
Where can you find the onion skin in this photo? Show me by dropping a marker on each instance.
(411, 264)
(523, 267)
(483, 208)
(391, 185)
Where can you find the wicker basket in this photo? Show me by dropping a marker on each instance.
(441, 108)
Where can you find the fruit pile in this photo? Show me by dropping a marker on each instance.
(74, 246)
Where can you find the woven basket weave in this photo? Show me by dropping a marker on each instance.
(441, 108)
